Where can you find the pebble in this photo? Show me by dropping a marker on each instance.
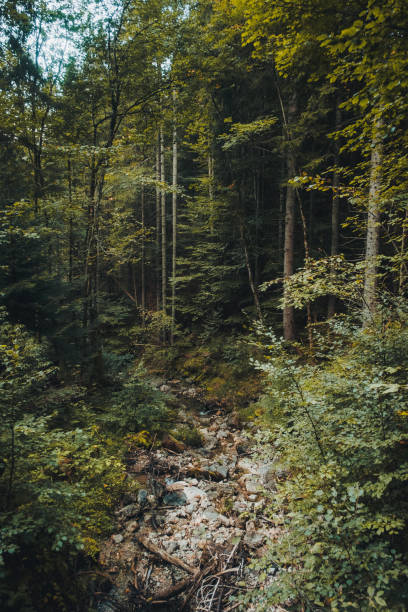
(194, 494)
(252, 486)
(117, 538)
(210, 516)
(219, 470)
(222, 434)
(254, 540)
(171, 547)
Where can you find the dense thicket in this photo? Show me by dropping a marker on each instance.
(180, 173)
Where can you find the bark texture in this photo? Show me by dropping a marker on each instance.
(373, 228)
(289, 240)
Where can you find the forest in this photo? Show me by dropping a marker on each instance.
(203, 305)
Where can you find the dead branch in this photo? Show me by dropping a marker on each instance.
(171, 591)
(164, 555)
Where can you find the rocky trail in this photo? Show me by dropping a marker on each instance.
(185, 538)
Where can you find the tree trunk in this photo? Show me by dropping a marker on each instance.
(71, 222)
(281, 202)
(174, 215)
(157, 250)
(252, 285)
(335, 218)
(256, 179)
(142, 256)
(210, 162)
(163, 226)
(403, 266)
(289, 240)
(334, 249)
(373, 227)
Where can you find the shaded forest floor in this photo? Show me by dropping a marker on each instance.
(185, 536)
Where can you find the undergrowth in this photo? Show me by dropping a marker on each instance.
(338, 426)
(62, 474)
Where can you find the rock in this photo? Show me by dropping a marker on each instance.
(252, 486)
(132, 526)
(129, 511)
(194, 494)
(142, 497)
(254, 539)
(175, 498)
(240, 506)
(222, 433)
(224, 520)
(200, 531)
(117, 538)
(242, 447)
(244, 464)
(219, 470)
(210, 516)
(172, 518)
(268, 477)
(233, 462)
(171, 547)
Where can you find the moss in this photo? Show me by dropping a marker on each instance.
(189, 435)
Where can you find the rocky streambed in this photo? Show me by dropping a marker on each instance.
(185, 538)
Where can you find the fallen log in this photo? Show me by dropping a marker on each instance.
(164, 555)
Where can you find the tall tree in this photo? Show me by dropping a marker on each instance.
(174, 218)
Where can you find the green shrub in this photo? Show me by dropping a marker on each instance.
(58, 487)
(189, 435)
(340, 430)
(136, 406)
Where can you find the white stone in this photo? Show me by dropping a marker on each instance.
(117, 538)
